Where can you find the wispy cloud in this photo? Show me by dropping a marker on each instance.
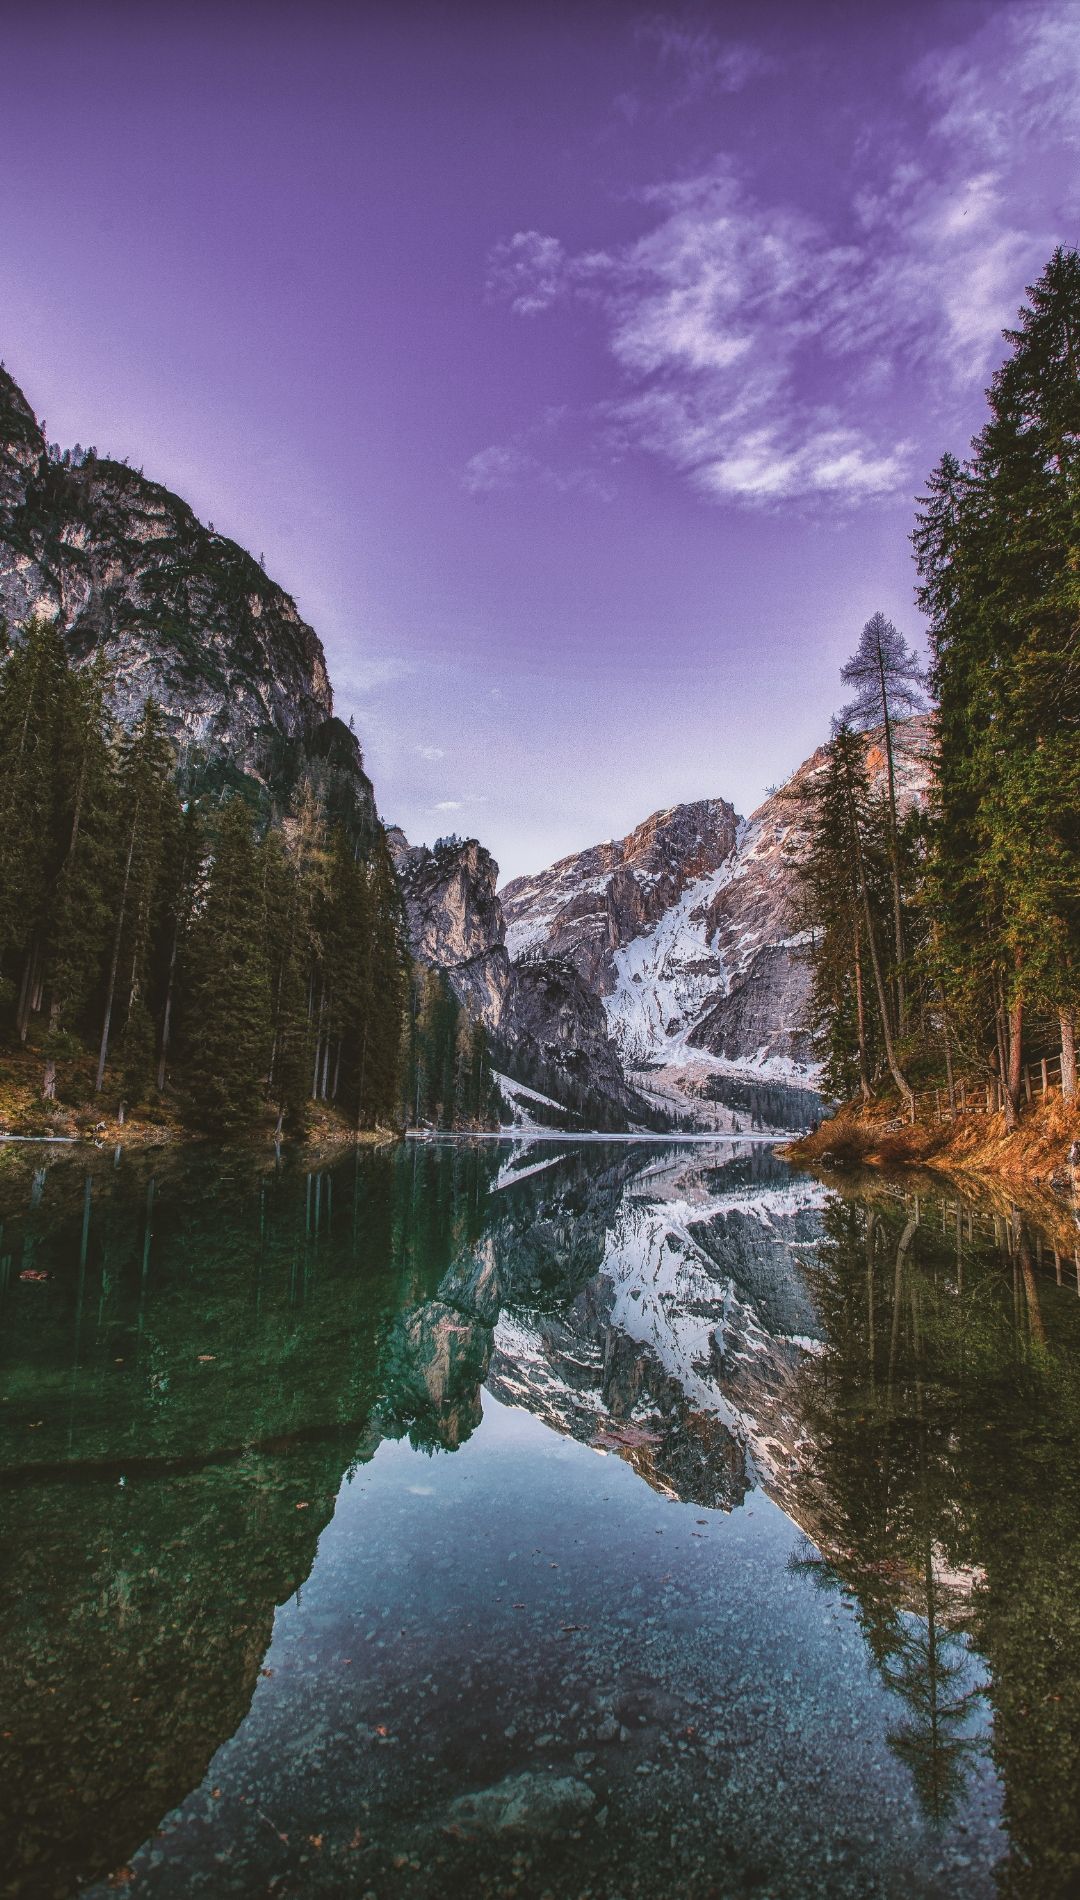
(430, 753)
(449, 804)
(703, 59)
(762, 351)
(536, 456)
(528, 271)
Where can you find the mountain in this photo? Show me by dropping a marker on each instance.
(173, 610)
(690, 932)
(545, 1023)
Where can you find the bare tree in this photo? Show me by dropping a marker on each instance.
(889, 685)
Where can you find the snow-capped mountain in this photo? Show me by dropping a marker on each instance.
(691, 931)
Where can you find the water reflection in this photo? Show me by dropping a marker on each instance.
(193, 1356)
(944, 1422)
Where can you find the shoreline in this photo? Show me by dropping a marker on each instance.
(586, 1135)
(1037, 1154)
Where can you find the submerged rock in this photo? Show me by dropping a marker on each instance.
(536, 1803)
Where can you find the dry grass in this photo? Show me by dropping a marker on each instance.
(1034, 1155)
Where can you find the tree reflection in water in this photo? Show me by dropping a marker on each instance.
(941, 1492)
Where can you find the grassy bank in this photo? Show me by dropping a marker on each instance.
(1033, 1155)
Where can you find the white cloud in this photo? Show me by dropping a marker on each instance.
(449, 804)
(527, 270)
(766, 354)
(431, 753)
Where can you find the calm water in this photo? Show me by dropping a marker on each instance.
(576, 1521)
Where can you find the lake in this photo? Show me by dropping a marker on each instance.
(485, 1519)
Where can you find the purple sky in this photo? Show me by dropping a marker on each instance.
(574, 368)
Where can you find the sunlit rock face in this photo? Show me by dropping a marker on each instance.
(174, 611)
(588, 905)
(692, 929)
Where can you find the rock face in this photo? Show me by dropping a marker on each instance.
(588, 906)
(544, 1019)
(555, 1018)
(174, 610)
(691, 929)
(456, 921)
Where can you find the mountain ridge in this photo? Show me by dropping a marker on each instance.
(690, 930)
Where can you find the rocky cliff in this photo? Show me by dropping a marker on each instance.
(174, 611)
(588, 906)
(546, 1024)
(690, 931)
(455, 920)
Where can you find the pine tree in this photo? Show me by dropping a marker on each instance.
(996, 544)
(77, 921)
(847, 876)
(32, 703)
(229, 1017)
(888, 682)
(148, 812)
(380, 1069)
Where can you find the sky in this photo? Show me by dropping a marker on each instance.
(575, 367)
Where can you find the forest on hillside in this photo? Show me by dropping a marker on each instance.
(945, 936)
(163, 952)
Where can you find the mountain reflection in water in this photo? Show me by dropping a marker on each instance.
(811, 1624)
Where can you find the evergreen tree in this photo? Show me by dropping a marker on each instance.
(230, 1011)
(888, 684)
(997, 544)
(847, 878)
(379, 1081)
(32, 706)
(147, 822)
(77, 921)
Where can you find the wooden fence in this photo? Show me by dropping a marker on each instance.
(976, 1097)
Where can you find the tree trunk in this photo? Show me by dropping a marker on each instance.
(22, 1013)
(898, 1076)
(860, 1017)
(114, 964)
(48, 1086)
(166, 1019)
(895, 1070)
(894, 854)
(1012, 1048)
(1068, 1055)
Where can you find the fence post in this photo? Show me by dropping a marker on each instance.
(1045, 1083)
(1027, 1082)
(989, 1104)
(963, 1097)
